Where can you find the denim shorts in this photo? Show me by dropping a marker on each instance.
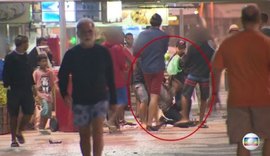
(84, 114)
(122, 97)
(46, 110)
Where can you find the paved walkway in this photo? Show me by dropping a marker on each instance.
(133, 141)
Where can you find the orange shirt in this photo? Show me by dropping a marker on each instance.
(246, 56)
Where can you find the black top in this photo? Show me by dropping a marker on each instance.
(196, 63)
(17, 72)
(92, 75)
(32, 57)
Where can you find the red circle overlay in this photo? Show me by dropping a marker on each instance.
(212, 85)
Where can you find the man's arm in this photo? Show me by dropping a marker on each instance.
(217, 68)
(32, 58)
(166, 46)
(215, 82)
(6, 71)
(63, 74)
(110, 78)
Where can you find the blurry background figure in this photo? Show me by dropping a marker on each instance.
(42, 47)
(233, 29)
(129, 42)
(114, 42)
(265, 27)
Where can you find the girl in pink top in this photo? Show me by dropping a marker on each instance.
(44, 85)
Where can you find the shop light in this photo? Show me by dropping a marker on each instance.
(172, 18)
(196, 12)
(114, 11)
(73, 40)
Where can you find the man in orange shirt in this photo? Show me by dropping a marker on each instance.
(246, 56)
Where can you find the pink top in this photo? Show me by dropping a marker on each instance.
(44, 83)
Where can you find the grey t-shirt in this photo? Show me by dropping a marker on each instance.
(152, 57)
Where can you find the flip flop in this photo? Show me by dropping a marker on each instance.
(204, 126)
(152, 128)
(182, 124)
(20, 139)
(193, 123)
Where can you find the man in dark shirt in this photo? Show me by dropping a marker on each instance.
(17, 78)
(91, 68)
(198, 74)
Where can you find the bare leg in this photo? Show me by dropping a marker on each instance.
(122, 113)
(202, 109)
(98, 143)
(85, 134)
(138, 107)
(143, 113)
(266, 147)
(43, 122)
(13, 127)
(242, 151)
(185, 109)
(113, 116)
(25, 120)
(153, 109)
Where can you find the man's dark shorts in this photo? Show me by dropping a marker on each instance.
(190, 84)
(20, 97)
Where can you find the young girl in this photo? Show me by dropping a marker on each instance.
(44, 85)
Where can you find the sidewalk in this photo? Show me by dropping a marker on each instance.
(134, 141)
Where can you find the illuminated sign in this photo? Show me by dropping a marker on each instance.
(114, 11)
(50, 11)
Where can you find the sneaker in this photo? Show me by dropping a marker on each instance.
(20, 138)
(14, 144)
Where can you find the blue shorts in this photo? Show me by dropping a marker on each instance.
(122, 98)
(84, 114)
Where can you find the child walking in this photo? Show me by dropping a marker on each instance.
(44, 84)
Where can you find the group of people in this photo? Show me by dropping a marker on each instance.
(99, 78)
